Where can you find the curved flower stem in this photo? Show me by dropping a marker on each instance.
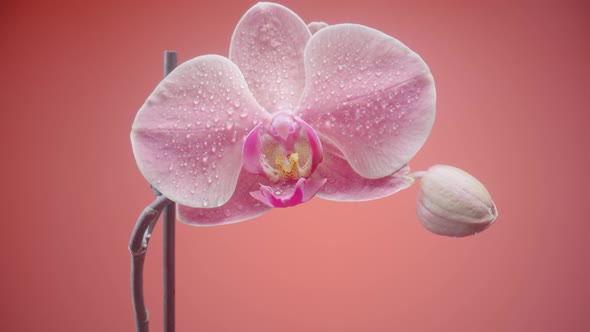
(138, 245)
(170, 62)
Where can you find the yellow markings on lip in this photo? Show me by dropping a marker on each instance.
(288, 165)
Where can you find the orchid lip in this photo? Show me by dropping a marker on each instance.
(286, 195)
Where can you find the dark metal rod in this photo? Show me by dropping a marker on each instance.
(170, 62)
(169, 268)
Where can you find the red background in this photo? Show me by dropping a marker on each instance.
(512, 82)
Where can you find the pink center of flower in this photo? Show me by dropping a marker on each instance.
(285, 150)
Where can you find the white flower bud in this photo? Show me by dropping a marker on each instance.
(451, 202)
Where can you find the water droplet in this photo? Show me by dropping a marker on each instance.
(205, 202)
(230, 111)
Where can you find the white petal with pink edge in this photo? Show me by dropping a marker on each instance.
(187, 138)
(370, 95)
(268, 45)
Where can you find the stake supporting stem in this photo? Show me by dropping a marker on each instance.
(170, 62)
(138, 245)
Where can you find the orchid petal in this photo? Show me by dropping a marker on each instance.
(370, 95)
(283, 194)
(344, 184)
(240, 207)
(187, 138)
(316, 26)
(268, 45)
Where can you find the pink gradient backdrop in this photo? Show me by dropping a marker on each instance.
(513, 82)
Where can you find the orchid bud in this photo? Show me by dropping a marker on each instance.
(451, 202)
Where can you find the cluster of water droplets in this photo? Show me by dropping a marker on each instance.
(271, 59)
(351, 93)
(200, 122)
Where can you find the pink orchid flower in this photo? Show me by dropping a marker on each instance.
(288, 116)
